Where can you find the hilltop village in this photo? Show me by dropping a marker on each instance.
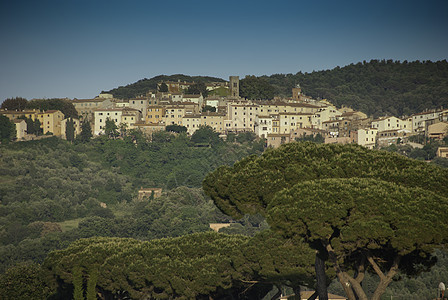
(279, 121)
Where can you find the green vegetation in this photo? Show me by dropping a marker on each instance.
(197, 89)
(427, 152)
(256, 88)
(377, 88)
(318, 173)
(63, 105)
(221, 92)
(176, 128)
(82, 189)
(197, 266)
(7, 130)
(17, 103)
(142, 87)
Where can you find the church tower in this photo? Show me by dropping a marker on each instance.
(296, 92)
(234, 86)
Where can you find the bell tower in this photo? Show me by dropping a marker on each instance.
(234, 86)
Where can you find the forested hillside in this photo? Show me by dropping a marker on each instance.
(53, 192)
(145, 85)
(376, 87)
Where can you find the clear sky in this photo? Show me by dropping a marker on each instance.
(77, 48)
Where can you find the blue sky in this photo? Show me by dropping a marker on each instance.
(76, 49)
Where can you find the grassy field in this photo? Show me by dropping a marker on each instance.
(70, 224)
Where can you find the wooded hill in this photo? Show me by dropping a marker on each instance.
(378, 87)
(145, 85)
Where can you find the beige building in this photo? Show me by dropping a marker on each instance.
(155, 114)
(51, 121)
(148, 192)
(389, 137)
(442, 152)
(130, 117)
(289, 121)
(275, 140)
(13, 114)
(20, 128)
(86, 107)
(191, 122)
(241, 116)
(391, 123)
(267, 108)
(367, 137)
(419, 120)
(263, 125)
(101, 115)
(438, 130)
(198, 99)
(140, 104)
(214, 120)
(174, 114)
(327, 113)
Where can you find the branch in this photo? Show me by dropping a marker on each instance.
(361, 269)
(375, 267)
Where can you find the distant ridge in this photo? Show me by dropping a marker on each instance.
(142, 86)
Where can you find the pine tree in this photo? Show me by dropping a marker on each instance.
(86, 132)
(70, 130)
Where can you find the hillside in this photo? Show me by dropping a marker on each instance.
(142, 86)
(377, 87)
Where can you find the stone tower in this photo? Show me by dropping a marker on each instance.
(234, 86)
(296, 91)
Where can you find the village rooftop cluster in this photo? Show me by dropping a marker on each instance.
(279, 121)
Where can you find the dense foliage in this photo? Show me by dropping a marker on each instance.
(63, 105)
(197, 266)
(142, 87)
(7, 129)
(92, 184)
(252, 185)
(256, 88)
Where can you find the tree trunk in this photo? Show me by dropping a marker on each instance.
(343, 277)
(321, 278)
(278, 294)
(385, 280)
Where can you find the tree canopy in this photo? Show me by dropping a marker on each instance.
(17, 103)
(7, 129)
(196, 266)
(251, 184)
(256, 88)
(63, 105)
(364, 223)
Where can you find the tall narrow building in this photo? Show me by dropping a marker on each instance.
(234, 86)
